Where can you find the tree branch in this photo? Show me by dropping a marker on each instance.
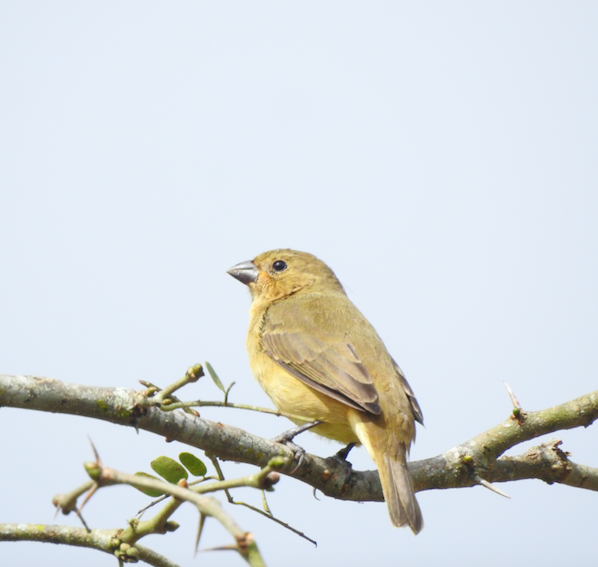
(100, 540)
(460, 466)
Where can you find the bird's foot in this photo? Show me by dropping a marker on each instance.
(340, 458)
(286, 438)
(344, 453)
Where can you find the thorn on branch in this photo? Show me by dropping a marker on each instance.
(220, 548)
(490, 486)
(518, 413)
(469, 462)
(202, 520)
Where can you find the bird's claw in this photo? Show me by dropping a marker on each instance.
(344, 453)
(298, 453)
(286, 438)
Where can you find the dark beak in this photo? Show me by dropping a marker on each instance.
(245, 272)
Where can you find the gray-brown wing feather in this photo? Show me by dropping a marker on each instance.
(331, 367)
(417, 412)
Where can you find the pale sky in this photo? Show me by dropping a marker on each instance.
(440, 157)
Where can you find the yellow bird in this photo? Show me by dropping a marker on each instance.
(319, 359)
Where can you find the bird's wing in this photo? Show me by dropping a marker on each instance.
(417, 412)
(324, 361)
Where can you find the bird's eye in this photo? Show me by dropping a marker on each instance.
(279, 266)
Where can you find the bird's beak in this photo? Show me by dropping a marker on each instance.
(245, 272)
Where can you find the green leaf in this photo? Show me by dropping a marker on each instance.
(169, 469)
(149, 491)
(193, 464)
(214, 376)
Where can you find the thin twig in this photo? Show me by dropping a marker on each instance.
(205, 404)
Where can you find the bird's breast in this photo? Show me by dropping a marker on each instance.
(297, 401)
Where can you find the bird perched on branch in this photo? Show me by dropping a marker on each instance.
(320, 360)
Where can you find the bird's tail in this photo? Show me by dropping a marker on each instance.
(398, 489)
(390, 456)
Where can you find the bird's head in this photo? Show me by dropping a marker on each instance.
(277, 274)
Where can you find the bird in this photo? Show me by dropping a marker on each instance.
(321, 361)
